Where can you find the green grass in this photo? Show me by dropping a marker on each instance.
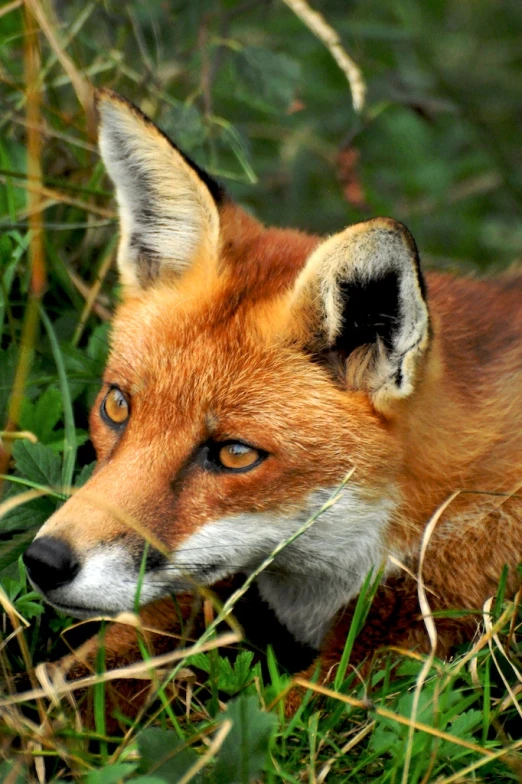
(249, 92)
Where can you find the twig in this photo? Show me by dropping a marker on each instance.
(93, 293)
(325, 33)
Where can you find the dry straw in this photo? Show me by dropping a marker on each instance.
(318, 25)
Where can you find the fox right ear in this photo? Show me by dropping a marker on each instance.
(167, 205)
(360, 302)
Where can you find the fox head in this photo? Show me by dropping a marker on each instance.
(250, 371)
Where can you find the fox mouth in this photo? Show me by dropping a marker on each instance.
(83, 613)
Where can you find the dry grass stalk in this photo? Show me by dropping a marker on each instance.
(317, 24)
(18, 435)
(351, 744)
(32, 62)
(458, 777)
(494, 637)
(122, 673)
(388, 714)
(10, 7)
(58, 196)
(82, 87)
(430, 628)
(101, 311)
(92, 294)
(210, 753)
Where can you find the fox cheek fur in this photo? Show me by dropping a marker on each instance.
(251, 371)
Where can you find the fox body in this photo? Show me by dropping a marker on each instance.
(252, 370)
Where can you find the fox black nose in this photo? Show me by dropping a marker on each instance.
(50, 562)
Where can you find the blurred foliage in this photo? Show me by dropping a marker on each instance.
(251, 94)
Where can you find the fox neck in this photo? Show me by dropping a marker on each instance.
(456, 439)
(323, 570)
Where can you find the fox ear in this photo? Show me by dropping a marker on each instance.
(362, 296)
(167, 205)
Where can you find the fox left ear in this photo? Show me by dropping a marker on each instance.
(167, 205)
(361, 302)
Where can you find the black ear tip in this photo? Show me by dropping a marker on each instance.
(390, 226)
(104, 97)
(399, 229)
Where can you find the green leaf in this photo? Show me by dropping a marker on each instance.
(13, 772)
(462, 727)
(164, 755)
(231, 678)
(13, 549)
(265, 79)
(243, 753)
(465, 723)
(42, 416)
(383, 739)
(98, 346)
(112, 774)
(26, 516)
(57, 441)
(148, 780)
(38, 463)
(84, 475)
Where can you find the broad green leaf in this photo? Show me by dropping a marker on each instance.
(42, 416)
(231, 677)
(462, 727)
(98, 346)
(26, 516)
(82, 371)
(243, 753)
(13, 771)
(84, 475)
(38, 463)
(465, 723)
(111, 774)
(56, 442)
(164, 755)
(11, 550)
(383, 739)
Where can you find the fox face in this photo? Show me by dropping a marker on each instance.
(251, 371)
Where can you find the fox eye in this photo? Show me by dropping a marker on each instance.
(238, 455)
(233, 456)
(115, 408)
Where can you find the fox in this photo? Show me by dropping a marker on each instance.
(253, 374)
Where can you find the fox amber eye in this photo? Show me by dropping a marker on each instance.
(115, 408)
(237, 455)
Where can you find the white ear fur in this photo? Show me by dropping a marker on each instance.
(168, 216)
(350, 278)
